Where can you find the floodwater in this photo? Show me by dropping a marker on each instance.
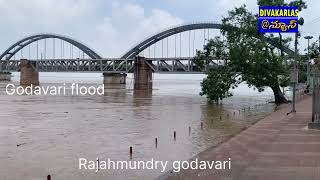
(41, 135)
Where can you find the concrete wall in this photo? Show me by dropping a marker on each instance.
(142, 75)
(29, 75)
(5, 76)
(114, 78)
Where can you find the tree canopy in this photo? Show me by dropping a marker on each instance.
(249, 59)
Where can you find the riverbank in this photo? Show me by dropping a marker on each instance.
(277, 147)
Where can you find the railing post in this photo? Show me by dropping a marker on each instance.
(101, 66)
(315, 124)
(126, 66)
(315, 88)
(158, 65)
(78, 63)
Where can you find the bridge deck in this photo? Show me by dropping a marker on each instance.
(158, 65)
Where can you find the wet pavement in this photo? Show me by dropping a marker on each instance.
(279, 147)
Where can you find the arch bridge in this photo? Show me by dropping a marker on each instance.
(49, 53)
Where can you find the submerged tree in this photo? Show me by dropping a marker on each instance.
(254, 61)
(220, 79)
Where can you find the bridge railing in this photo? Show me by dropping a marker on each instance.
(178, 65)
(73, 65)
(158, 65)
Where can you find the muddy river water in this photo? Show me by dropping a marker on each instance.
(41, 135)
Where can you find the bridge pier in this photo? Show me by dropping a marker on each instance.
(5, 76)
(28, 74)
(114, 78)
(142, 75)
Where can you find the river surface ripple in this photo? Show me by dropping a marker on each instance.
(41, 135)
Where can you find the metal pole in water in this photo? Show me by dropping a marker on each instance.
(131, 151)
(156, 142)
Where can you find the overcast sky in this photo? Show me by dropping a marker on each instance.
(113, 26)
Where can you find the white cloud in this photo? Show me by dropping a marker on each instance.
(106, 27)
(230, 4)
(127, 25)
(42, 12)
(126, 10)
(110, 27)
(159, 20)
(113, 26)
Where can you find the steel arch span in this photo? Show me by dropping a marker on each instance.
(189, 27)
(16, 47)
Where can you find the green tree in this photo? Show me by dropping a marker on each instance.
(314, 50)
(315, 54)
(220, 79)
(258, 63)
(216, 86)
(302, 62)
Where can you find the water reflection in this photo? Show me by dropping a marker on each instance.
(115, 90)
(142, 94)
